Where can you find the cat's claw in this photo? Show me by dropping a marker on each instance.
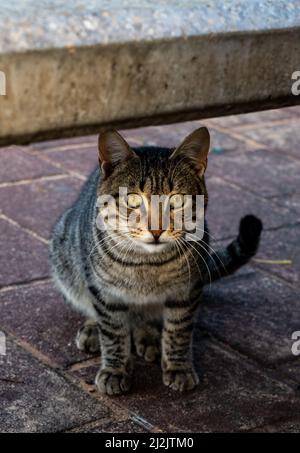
(113, 382)
(180, 380)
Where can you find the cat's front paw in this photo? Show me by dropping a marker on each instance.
(181, 380)
(113, 382)
(147, 341)
(87, 339)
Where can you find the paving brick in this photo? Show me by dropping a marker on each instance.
(281, 245)
(167, 136)
(269, 174)
(33, 398)
(22, 257)
(294, 111)
(64, 143)
(81, 160)
(283, 137)
(284, 427)
(227, 204)
(172, 135)
(253, 313)
(253, 118)
(80, 154)
(292, 202)
(291, 371)
(250, 377)
(118, 427)
(234, 395)
(38, 315)
(16, 164)
(37, 205)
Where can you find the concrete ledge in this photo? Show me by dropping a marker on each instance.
(71, 71)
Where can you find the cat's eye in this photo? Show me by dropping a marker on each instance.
(176, 201)
(134, 200)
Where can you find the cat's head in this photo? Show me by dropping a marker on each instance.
(133, 177)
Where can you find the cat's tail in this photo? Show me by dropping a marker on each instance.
(228, 259)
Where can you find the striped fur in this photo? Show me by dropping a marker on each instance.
(131, 295)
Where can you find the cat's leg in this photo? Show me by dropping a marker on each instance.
(114, 376)
(177, 361)
(87, 339)
(147, 340)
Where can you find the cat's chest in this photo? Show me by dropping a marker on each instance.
(149, 285)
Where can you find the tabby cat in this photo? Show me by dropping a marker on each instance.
(136, 286)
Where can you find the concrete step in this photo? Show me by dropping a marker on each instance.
(72, 67)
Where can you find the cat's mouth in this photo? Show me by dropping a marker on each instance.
(153, 247)
(153, 242)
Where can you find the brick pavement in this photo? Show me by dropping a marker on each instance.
(250, 380)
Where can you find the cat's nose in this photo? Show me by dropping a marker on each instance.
(156, 234)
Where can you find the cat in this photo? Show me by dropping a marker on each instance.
(138, 286)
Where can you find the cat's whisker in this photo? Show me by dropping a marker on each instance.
(184, 244)
(203, 231)
(211, 248)
(216, 254)
(98, 243)
(187, 262)
(103, 240)
(129, 248)
(212, 258)
(200, 242)
(117, 244)
(177, 247)
(202, 258)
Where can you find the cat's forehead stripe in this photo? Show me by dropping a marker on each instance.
(154, 173)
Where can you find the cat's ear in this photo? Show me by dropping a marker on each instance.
(195, 147)
(113, 149)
